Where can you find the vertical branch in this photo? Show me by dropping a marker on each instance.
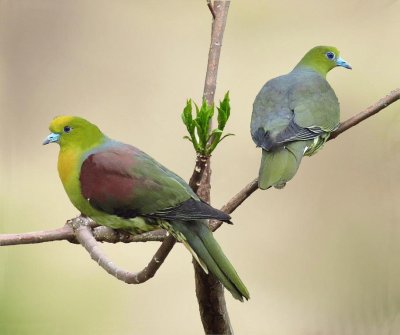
(212, 305)
(217, 34)
(209, 291)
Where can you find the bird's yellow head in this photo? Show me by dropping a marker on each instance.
(322, 59)
(73, 131)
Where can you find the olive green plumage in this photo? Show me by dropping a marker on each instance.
(120, 186)
(294, 114)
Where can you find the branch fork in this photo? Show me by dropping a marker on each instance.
(211, 8)
(82, 227)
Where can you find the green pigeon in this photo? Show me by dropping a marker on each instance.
(294, 114)
(121, 187)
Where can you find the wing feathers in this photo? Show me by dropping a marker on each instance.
(293, 132)
(124, 181)
(191, 210)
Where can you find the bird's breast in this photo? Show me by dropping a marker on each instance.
(67, 165)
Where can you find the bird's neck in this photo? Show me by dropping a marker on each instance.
(68, 160)
(71, 156)
(318, 67)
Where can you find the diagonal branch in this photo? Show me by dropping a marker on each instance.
(85, 237)
(236, 201)
(250, 188)
(392, 97)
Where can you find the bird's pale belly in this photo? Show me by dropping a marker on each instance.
(135, 225)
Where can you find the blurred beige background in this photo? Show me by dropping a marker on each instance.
(320, 257)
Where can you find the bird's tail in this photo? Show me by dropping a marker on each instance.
(198, 238)
(279, 166)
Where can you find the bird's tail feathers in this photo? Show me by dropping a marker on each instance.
(195, 256)
(279, 166)
(199, 240)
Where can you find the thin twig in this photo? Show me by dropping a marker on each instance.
(85, 237)
(393, 96)
(66, 233)
(217, 33)
(235, 202)
(59, 234)
(211, 8)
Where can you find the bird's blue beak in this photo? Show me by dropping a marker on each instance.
(52, 138)
(341, 62)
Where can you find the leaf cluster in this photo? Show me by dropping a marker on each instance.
(204, 139)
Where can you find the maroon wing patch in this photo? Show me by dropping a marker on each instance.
(106, 180)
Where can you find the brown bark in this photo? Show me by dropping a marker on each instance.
(209, 291)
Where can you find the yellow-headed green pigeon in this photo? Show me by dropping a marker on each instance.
(121, 187)
(294, 114)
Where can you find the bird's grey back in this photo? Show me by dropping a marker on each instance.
(301, 95)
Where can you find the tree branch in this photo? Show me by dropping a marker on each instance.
(217, 33)
(211, 8)
(66, 233)
(106, 234)
(209, 291)
(83, 233)
(200, 167)
(392, 97)
(59, 234)
(235, 202)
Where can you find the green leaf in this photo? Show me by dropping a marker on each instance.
(202, 123)
(216, 131)
(187, 119)
(204, 118)
(226, 135)
(215, 134)
(204, 139)
(224, 111)
(187, 115)
(197, 109)
(187, 138)
(215, 143)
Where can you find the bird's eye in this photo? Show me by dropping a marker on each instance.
(67, 129)
(330, 55)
